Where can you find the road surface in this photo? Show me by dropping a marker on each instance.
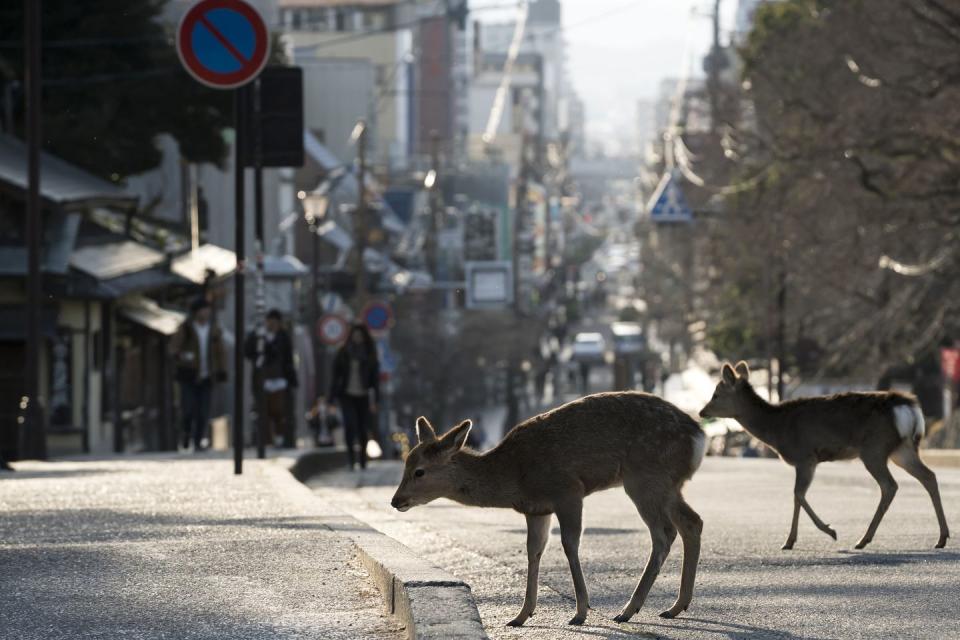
(747, 587)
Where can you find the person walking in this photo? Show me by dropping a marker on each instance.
(200, 358)
(355, 387)
(278, 375)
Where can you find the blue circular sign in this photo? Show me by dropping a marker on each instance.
(378, 316)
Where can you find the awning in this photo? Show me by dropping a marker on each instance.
(115, 259)
(149, 314)
(60, 235)
(194, 264)
(336, 235)
(60, 182)
(283, 267)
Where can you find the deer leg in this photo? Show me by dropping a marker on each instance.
(804, 478)
(686, 520)
(570, 517)
(888, 488)
(662, 534)
(538, 532)
(906, 457)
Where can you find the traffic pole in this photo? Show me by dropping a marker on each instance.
(33, 437)
(360, 225)
(240, 124)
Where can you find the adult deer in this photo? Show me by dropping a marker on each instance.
(549, 463)
(874, 426)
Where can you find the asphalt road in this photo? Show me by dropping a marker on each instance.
(899, 587)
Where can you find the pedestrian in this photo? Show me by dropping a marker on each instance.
(200, 358)
(322, 423)
(275, 371)
(355, 386)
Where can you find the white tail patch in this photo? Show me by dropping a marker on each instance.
(699, 450)
(908, 419)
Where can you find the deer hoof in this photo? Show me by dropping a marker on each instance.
(941, 543)
(668, 614)
(517, 622)
(623, 616)
(861, 544)
(830, 532)
(578, 619)
(787, 546)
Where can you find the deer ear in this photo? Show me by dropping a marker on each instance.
(454, 439)
(425, 432)
(728, 374)
(742, 370)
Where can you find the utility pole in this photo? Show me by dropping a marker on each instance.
(433, 184)
(318, 353)
(33, 437)
(360, 223)
(713, 71)
(260, 301)
(519, 210)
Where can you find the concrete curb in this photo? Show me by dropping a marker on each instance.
(429, 602)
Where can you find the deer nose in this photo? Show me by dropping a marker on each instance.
(395, 503)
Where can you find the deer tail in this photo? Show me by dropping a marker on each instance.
(908, 419)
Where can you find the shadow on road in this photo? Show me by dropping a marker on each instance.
(726, 629)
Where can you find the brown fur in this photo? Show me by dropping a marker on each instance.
(843, 426)
(551, 462)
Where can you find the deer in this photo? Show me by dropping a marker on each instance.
(874, 426)
(549, 463)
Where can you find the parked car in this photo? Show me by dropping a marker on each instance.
(628, 338)
(589, 347)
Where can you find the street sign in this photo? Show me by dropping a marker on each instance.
(223, 43)
(378, 316)
(950, 363)
(276, 127)
(489, 284)
(332, 329)
(668, 203)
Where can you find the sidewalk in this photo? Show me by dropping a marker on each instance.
(176, 547)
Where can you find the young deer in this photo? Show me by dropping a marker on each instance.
(872, 426)
(549, 463)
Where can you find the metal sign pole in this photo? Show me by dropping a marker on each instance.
(240, 124)
(33, 437)
(260, 303)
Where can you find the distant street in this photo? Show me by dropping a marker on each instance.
(899, 587)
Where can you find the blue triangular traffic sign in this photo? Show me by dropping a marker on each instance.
(668, 203)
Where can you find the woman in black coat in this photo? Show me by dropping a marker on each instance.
(355, 386)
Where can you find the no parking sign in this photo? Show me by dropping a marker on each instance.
(223, 43)
(378, 316)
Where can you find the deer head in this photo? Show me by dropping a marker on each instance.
(723, 404)
(429, 472)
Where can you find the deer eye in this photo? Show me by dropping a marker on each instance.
(418, 473)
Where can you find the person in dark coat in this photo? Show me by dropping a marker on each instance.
(277, 373)
(201, 361)
(355, 387)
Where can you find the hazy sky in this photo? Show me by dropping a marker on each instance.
(619, 50)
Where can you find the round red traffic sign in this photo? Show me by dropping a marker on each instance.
(332, 329)
(223, 43)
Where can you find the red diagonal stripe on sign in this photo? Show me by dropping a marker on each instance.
(222, 40)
